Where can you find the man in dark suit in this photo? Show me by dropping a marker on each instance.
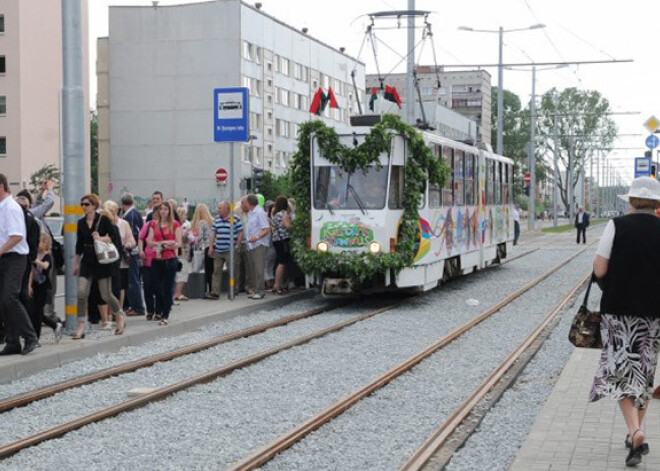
(581, 223)
(134, 292)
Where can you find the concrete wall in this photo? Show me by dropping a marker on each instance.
(32, 44)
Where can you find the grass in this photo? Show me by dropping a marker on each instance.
(570, 227)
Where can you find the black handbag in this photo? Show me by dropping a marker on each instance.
(585, 328)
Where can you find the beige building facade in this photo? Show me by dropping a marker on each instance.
(31, 87)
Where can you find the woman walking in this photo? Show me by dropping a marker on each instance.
(39, 286)
(92, 226)
(165, 238)
(200, 237)
(184, 266)
(127, 242)
(628, 264)
(280, 223)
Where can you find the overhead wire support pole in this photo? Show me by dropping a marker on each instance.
(531, 220)
(555, 186)
(73, 144)
(410, 80)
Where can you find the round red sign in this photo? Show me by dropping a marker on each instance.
(527, 178)
(221, 175)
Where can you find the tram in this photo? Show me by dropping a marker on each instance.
(465, 225)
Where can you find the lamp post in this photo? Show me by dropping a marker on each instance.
(500, 94)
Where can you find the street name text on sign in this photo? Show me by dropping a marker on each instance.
(642, 167)
(652, 141)
(230, 115)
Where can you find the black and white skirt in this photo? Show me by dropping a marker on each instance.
(628, 359)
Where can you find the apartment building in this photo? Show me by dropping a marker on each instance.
(31, 86)
(466, 92)
(157, 71)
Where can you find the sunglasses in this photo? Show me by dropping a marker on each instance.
(85, 204)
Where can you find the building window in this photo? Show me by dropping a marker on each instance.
(247, 51)
(3, 105)
(282, 128)
(297, 71)
(284, 97)
(3, 146)
(284, 66)
(269, 66)
(2, 65)
(2, 24)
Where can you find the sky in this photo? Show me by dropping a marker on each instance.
(584, 30)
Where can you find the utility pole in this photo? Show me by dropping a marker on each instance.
(410, 80)
(569, 178)
(531, 220)
(555, 186)
(73, 145)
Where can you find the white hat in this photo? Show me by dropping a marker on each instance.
(643, 187)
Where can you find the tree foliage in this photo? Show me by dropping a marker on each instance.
(275, 185)
(47, 172)
(94, 150)
(584, 130)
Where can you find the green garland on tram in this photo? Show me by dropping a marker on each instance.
(421, 166)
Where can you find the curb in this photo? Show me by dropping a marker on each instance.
(23, 366)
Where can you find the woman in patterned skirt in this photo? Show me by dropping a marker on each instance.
(628, 265)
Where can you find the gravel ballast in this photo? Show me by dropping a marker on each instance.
(214, 424)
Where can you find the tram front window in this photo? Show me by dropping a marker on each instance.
(335, 189)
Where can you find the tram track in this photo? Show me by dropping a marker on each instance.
(432, 446)
(161, 393)
(288, 439)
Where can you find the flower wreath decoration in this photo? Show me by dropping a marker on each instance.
(421, 166)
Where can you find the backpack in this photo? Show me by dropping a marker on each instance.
(33, 233)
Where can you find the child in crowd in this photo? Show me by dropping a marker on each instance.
(39, 286)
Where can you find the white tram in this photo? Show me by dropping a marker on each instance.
(464, 226)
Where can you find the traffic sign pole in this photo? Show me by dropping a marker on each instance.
(231, 220)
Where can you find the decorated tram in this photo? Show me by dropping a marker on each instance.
(388, 207)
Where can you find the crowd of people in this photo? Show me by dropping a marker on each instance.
(157, 251)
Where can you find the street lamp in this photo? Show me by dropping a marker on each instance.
(500, 94)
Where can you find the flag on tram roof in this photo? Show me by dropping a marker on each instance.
(332, 99)
(392, 95)
(373, 98)
(319, 102)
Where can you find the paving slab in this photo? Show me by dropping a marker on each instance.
(571, 434)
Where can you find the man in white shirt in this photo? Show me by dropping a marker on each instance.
(257, 233)
(13, 263)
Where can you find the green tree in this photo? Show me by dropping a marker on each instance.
(584, 131)
(47, 172)
(275, 185)
(94, 150)
(515, 134)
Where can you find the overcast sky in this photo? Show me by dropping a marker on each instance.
(575, 31)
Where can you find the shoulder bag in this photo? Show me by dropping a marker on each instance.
(585, 328)
(106, 252)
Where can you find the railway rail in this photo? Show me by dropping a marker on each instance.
(286, 440)
(161, 393)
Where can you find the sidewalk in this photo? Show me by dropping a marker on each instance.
(572, 434)
(188, 316)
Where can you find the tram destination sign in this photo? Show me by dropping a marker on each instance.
(230, 115)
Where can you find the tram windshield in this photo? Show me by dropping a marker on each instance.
(336, 189)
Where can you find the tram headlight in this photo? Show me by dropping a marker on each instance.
(322, 247)
(374, 247)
